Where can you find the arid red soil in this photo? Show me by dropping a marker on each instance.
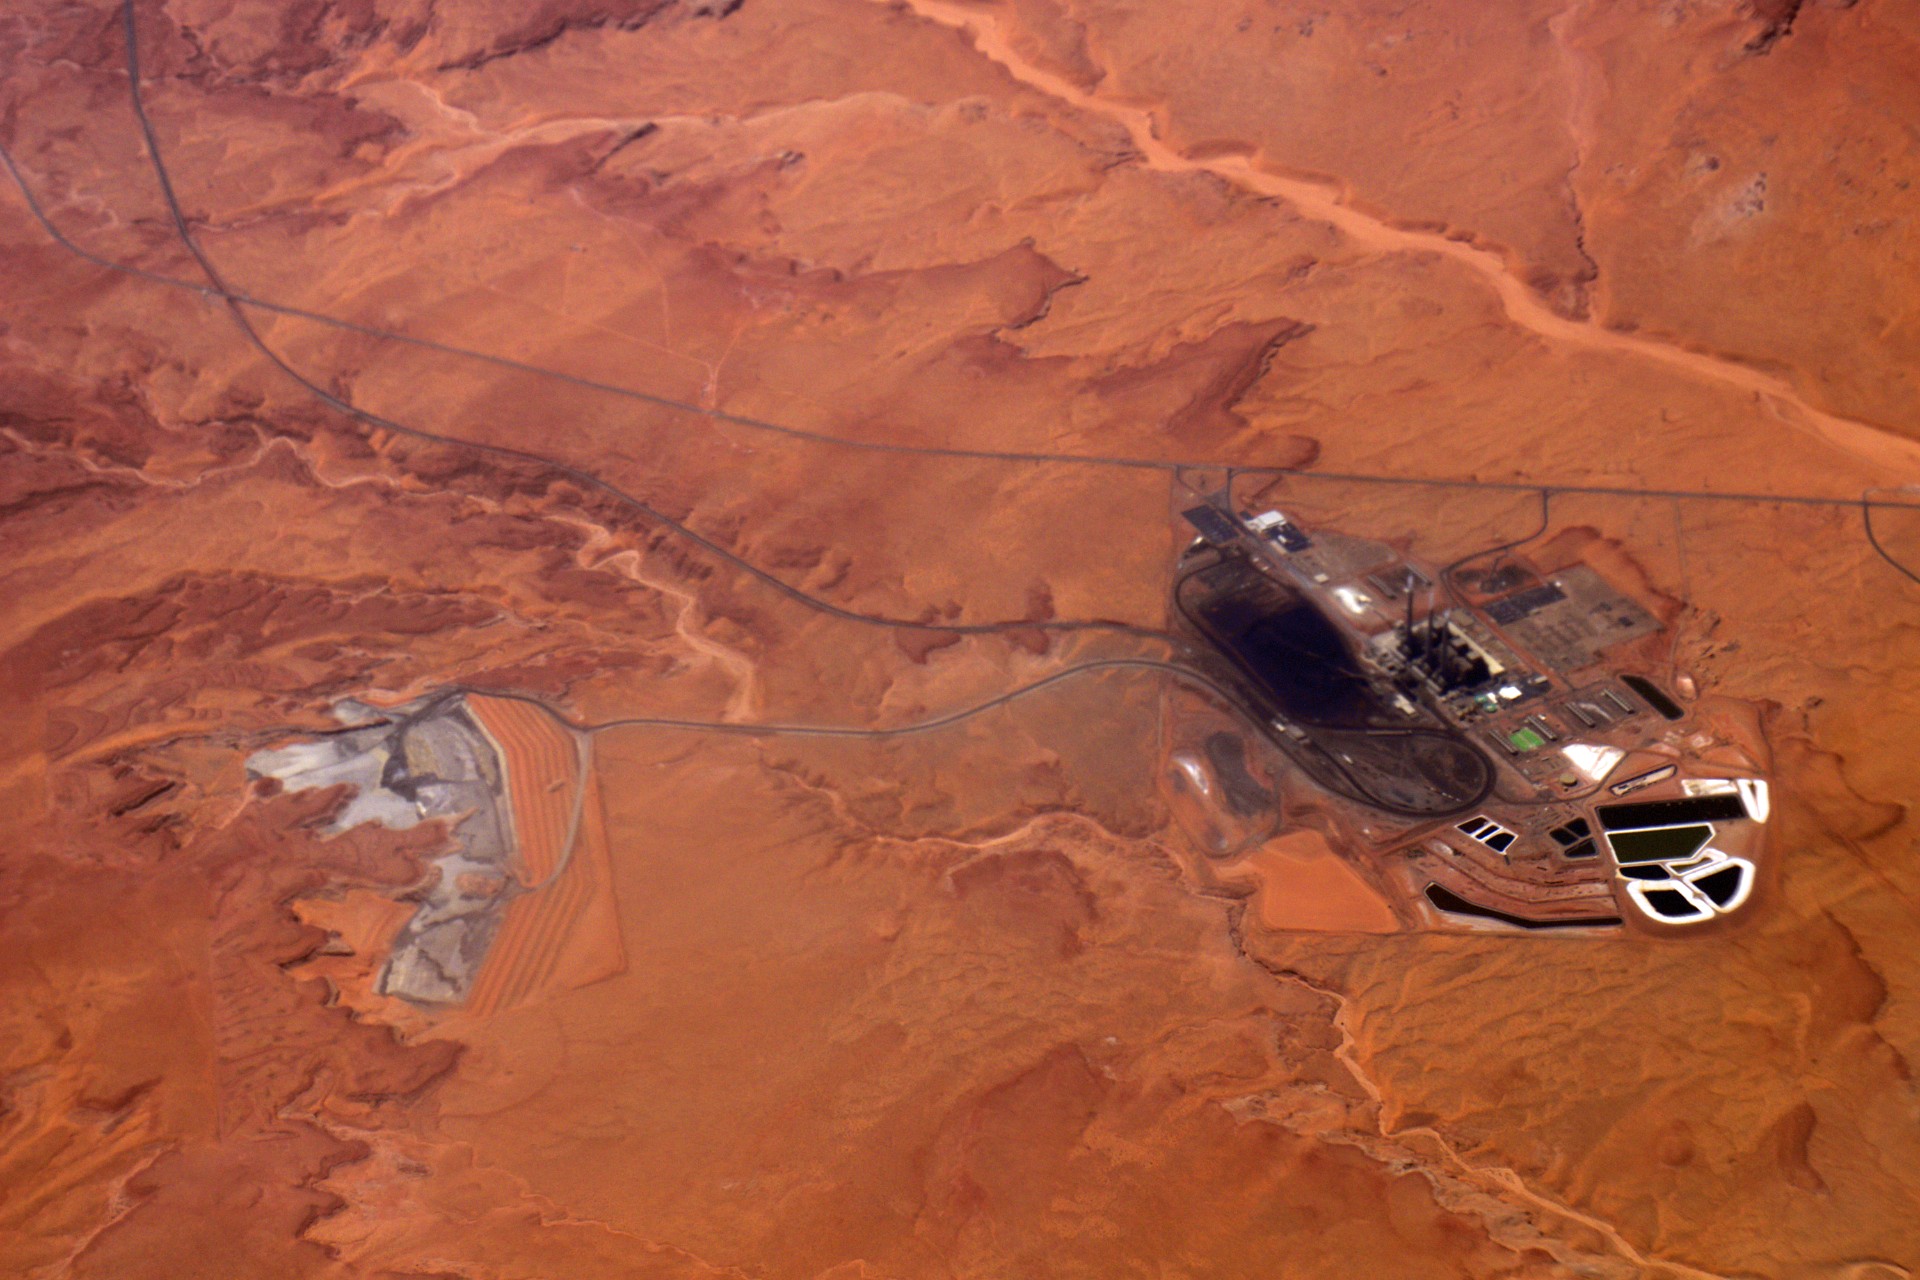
(962, 1002)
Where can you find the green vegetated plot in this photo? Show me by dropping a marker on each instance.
(1526, 740)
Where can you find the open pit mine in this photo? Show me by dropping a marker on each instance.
(935, 639)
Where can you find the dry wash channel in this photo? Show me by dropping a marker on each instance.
(522, 900)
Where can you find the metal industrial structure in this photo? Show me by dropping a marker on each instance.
(1481, 739)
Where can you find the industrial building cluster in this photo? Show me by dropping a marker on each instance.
(1494, 744)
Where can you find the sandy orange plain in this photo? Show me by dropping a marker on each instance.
(960, 1003)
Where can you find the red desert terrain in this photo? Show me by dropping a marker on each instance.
(578, 384)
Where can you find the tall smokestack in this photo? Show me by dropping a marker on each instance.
(1406, 636)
